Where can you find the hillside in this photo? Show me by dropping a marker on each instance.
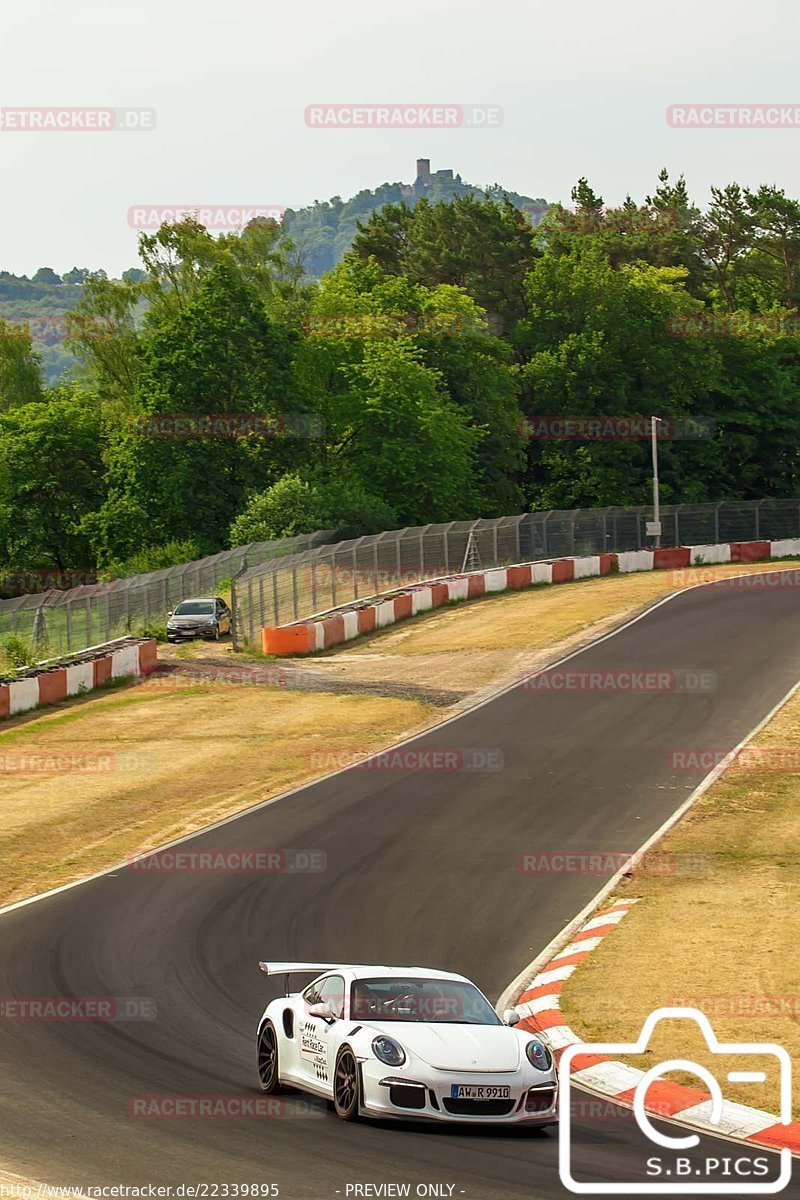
(324, 231)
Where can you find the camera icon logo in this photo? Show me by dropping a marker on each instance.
(672, 1145)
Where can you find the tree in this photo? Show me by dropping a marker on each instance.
(218, 354)
(300, 505)
(51, 476)
(602, 342)
(776, 223)
(77, 275)
(727, 235)
(46, 275)
(20, 367)
(482, 245)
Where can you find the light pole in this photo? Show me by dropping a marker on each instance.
(654, 422)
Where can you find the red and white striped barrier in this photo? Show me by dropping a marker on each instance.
(540, 1009)
(35, 690)
(353, 620)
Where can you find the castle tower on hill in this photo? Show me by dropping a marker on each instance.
(425, 177)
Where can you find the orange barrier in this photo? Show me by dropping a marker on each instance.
(285, 639)
(440, 594)
(148, 656)
(671, 558)
(366, 620)
(563, 570)
(747, 552)
(53, 686)
(333, 631)
(519, 577)
(101, 671)
(403, 606)
(607, 563)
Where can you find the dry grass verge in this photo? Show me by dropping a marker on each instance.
(721, 937)
(87, 785)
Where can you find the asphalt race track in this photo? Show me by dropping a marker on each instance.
(421, 869)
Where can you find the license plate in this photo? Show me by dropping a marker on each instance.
(479, 1091)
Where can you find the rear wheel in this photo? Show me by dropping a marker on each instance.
(345, 1085)
(268, 1076)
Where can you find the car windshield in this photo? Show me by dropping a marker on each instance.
(445, 1001)
(195, 608)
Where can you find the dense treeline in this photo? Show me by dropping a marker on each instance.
(413, 381)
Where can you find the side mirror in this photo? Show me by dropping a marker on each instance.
(323, 1011)
(511, 1017)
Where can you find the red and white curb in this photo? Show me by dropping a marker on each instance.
(60, 681)
(540, 1009)
(355, 619)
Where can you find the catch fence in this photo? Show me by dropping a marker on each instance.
(320, 578)
(59, 622)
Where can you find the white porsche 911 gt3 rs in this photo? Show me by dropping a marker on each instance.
(404, 1042)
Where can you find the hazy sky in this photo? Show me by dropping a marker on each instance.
(584, 89)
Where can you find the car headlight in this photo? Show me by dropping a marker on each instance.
(388, 1051)
(538, 1055)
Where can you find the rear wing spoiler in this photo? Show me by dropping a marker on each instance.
(291, 968)
(288, 968)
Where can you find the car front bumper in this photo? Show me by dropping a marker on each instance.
(184, 634)
(388, 1094)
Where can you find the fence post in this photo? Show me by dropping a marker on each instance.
(313, 586)
(275, 596)
(68, 617)
(716, 523)
(376, 584)
(261, 600)
(333, 580)
(572, 533)
(294, 592)
(422, 552)
(494, 545)
(757, 515)
(88, 621)
(355, 574)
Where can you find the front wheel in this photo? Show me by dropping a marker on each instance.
(345, 1085)
(268, 1076)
